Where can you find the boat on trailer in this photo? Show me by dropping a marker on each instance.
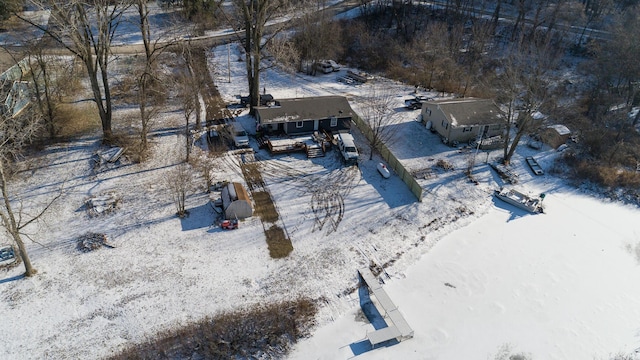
(525, 202)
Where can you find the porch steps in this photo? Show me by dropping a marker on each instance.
(263, 143)
(314, 151)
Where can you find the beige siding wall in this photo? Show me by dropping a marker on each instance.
(451, 133)
(465, 134)
(438, 121)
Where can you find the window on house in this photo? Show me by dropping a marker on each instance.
(334, 122)
(445, 124)
(466, 129)
(299, 124)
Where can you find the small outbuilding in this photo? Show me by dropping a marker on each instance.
(236, 203)
(555, 135)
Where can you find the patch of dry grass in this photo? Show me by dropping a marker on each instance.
(261, 331)
(279, 245)
(77, 119)
(265, 207)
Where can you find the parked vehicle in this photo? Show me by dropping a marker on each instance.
(265, 99)
(229, 224)
(240, 137)
(347, 148)
(415, 103)
(334, 65)
(412, 104)
(324, 67)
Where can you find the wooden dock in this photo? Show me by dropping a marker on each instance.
(399, 328)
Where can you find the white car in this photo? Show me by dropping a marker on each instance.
(240, 137)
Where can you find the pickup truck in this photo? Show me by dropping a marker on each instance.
(348, 148)
(415, 103)
(264, 99)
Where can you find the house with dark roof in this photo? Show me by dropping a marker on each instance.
(462, 120)
(305, 115)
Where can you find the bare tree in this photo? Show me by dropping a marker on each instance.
(283, 53)
(617, 62)
(524, 89)
(379, 115)
(255, 14)
(48, 78)
(148, 83)
(188, 85)
(178, 182)
(87, 31)
(188, 97)
(44, 89)
(204, 162)
(17, 132)
(316, 38)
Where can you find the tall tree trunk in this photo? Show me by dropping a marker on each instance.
(495, 17)
(106, 119)
(42, 95)
(10, 223)
(512, 148)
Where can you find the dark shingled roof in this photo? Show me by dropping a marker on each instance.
(469, 111)
(309, 108)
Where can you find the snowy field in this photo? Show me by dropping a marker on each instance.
(474, 277)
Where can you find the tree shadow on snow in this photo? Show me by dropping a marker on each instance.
(13, 278)
(375, 318)
(199, 217)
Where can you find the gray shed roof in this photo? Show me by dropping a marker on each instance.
(309, 108)
(469, 111)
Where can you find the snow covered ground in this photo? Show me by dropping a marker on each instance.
(471, 275)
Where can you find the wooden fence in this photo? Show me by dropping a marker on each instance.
(393, 162)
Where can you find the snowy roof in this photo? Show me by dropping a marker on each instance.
(469, 111)
(308, 108)
(560, 129)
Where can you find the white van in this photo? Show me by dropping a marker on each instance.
(347, 148)
(240, 137)
(334, 65)
(324, 67)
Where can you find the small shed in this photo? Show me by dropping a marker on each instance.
(236, 202)
(555, 135)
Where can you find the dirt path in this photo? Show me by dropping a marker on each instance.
(215, 106)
